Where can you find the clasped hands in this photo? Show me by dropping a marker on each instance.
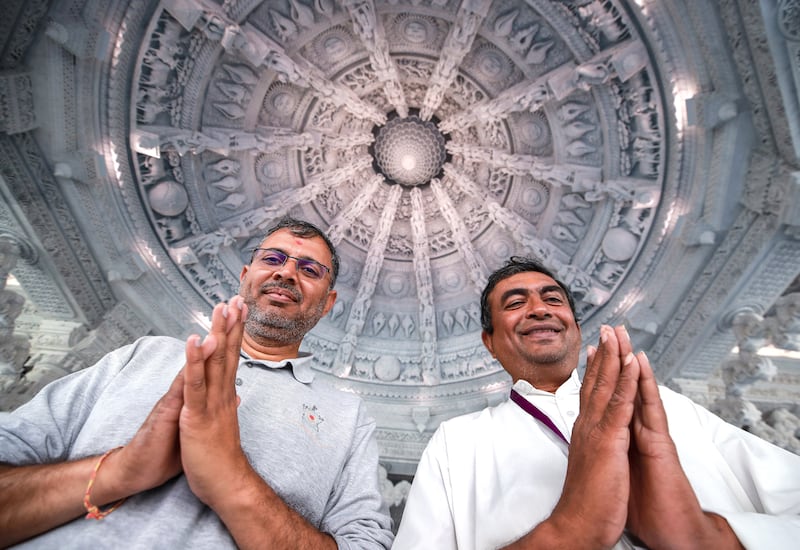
(623, 470)
(194, 427)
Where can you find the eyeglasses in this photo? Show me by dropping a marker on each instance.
(272, 258)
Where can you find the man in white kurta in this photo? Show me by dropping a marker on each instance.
(488, 479)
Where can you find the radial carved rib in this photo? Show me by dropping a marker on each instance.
(369, 29)
(475, 265)
(343, 363)
(456, 46)
(519, 228)
(259, 50)
(422, 273)
(347, 141)
(280, 203)
(577, 177)
(622, 61)
(346, 218)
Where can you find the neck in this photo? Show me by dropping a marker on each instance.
(550, 387)
(270, 351)
(544, 378)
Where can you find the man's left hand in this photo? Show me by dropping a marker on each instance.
(211, 451)
(663, 510)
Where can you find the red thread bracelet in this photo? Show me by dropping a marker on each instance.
(92, 511)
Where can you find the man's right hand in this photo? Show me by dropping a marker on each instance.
(37, 498)
(593, 507)
(597, 481)
(151, 458)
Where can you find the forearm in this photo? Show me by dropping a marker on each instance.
(555, 534)
(37, 498)
(256, 517)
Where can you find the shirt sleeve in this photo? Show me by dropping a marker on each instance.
(357, 516)
(428, 516)
(768, 475)
(44, 429)
(771, 476)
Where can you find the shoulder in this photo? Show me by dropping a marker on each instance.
(467, 426)
(323, 390)
(162, 344)
(674, 401)
(148, 353)
(151, 345)
(682, 411)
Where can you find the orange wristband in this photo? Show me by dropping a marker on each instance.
(92, 511)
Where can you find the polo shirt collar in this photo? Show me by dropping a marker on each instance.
(300, 365)
(571, 385)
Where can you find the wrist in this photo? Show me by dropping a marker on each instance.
(559, 532)
(710, 530)
(93, 500)
(235, 492)
(719, 533)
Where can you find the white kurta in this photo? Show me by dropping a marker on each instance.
(488, 478)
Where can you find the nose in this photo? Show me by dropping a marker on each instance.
(538, 309)
(288, 271)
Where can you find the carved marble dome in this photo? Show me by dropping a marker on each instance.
(432, 143)
(432, 139)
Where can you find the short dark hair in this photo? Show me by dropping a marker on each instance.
(514, 265)
(307, 230)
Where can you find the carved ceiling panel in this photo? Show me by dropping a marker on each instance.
(433, 141)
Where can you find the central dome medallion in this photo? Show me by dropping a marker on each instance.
(409, 151)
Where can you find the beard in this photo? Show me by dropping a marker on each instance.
(544, 357)
(272, 324)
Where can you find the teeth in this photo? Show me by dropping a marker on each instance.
(543, 331)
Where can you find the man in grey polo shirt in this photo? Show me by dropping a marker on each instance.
(217, 442)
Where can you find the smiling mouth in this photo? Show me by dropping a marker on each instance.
(541, 332)
(281, 292)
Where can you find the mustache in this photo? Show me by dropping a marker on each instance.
(287, 287)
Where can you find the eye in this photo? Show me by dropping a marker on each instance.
(514, 304)
(273, 259)
(554, 299)
(311, 269)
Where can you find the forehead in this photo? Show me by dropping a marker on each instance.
(526, 282)
(313, 248)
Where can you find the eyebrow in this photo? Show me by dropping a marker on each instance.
(523, 291)
(304, 257)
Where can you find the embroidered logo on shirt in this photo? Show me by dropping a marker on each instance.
(311, 417)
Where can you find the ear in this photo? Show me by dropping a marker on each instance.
(329, 301)
(487, 341)
(245, 269)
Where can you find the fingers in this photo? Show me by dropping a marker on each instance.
(610, 382)
(194, 372)
(168, 408)
(649, 407)
(602, 374)
(211, 363)
(227, 324)
(625, 392)
(151, 456)
(590, 353)
(625, 346)
(215, 364)
(593, 364)
(597, 483)
(621, 405)
(236, 312)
